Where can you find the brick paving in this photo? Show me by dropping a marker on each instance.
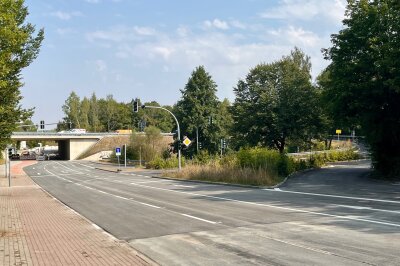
(36, 229)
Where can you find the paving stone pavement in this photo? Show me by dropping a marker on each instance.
(36, 229)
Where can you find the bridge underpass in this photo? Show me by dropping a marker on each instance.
(70, 146)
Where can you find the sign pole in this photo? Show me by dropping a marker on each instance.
(118, 153)
(125, 154)
(9, 172)
(5, 163)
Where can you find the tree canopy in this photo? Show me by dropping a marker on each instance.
(198, 111)
(364, 77)
(276, 102)
(19, 46)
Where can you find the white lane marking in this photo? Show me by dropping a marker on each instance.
(152, 181)
(275, 207)
(198, 218)
(104, 192)
(366, 208)
(332, 196)
(39, 174)
(65, 167)
(85, 165)
(183, 186)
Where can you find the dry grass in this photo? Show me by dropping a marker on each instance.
(231, 175)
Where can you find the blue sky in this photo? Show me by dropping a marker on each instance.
(148, 48)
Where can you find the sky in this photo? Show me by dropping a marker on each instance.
(149, 48)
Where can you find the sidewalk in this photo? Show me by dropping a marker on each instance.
(36, 229)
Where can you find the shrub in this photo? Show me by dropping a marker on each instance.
(160, 163)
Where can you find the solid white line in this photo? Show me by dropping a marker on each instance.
(366, 208)
(85, 165)
(200, 219)
(332, 196)
(275, 207)
(153, 181)
(183, 186)
(104, 192)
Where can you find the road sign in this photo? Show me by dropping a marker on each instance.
(118, 151)
(338, 131)
(187, 142)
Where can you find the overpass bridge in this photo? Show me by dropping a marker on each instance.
(70, 145)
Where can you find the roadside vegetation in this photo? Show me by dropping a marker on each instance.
(277, 107)
(254, 166)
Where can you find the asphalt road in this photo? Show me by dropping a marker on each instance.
(332, 216)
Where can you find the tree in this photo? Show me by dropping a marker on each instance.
(276, 103)
(197, 111)
(94, 114)
(84, 113)
(18, 48)
(71, 110)
(364, 86)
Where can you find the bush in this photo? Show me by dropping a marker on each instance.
(160, 163)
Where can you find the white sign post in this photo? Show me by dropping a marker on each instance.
(118, 153)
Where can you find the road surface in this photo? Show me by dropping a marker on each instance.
(331, 216)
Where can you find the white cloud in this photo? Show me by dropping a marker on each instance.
(101, 66)
(65, 15)
(227, 56)
(146, 31)
(296, 36)
(307, 10)
(121, 33)
(65, 31)
(216, 23)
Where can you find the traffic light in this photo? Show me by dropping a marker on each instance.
(179, 145)
(10, 152)
(136, 106)
(200, 145)
(41, 124)
(224, 143)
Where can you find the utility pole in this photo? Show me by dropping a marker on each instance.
(197, 140)
(179, 131)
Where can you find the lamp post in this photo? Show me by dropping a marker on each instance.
(179, 131)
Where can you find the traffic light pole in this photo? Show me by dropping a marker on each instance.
(179, 130)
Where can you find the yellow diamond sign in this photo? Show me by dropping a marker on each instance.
(187, 142)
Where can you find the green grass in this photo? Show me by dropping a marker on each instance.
(256, 166)
(231, 175)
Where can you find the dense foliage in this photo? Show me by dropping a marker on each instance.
(276, 103)
(364, 77)
(201, 114)
(18, 48)
(100, 115)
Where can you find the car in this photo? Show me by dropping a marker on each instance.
(40, 158)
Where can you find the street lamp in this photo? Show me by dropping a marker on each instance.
(179, 131)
